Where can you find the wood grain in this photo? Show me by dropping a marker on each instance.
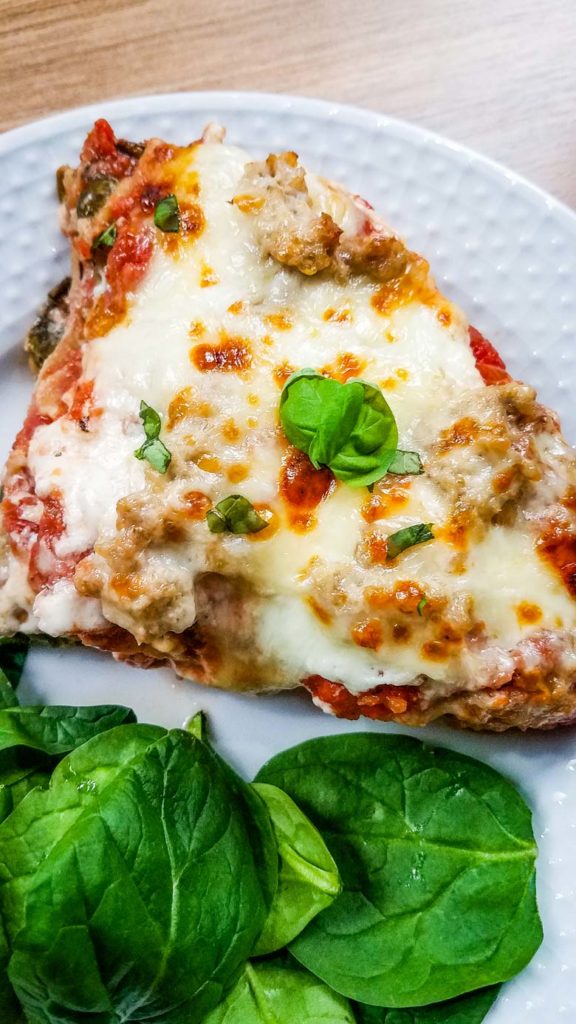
(499, 75)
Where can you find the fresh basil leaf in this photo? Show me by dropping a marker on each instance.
(308, 879)
(130, 888)
(13, 651)
(348, 427)
(156, 453)
(272, 992)
(405, 463)
(167, 214)
(150, 421)
(235, 514)
(153, 450)
(437, 858)
(93, 197)
(469, 1009)
(106, 238)
(407, 538)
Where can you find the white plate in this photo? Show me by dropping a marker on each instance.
(503, 249)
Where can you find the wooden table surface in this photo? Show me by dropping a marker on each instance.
(499, 75)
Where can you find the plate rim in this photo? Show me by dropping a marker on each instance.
(269, 102)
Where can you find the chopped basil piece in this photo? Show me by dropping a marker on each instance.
(407, 538)
(94, 196)
(421, 605)
(167, 214)
(406, 462)
(235, 514)
(153, 450)
(348, 427)
(106, 238)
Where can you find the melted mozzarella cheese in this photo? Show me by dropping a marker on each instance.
(220, 286)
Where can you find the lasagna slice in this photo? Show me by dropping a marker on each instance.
(266, 451)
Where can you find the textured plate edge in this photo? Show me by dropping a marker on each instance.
(77, 117)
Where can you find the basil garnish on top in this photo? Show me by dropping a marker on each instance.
(167, 214)
(348, 427)
(235, 514)
(153, 450)
(407, 538)
(106, 238)
(405, 463)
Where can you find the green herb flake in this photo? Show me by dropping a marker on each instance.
(153, 450)
(167, 214)
(405, 463)
(421, 605)
(106, 238)
(235, 514)
(407, 538)
(348, 427)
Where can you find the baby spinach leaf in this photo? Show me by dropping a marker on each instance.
(10, 1010)
(469, 1009)
(20, 771)
(436, 854)
(272, 993)
(348, 427)
(13, 651)
(130, 888)
(308, 878)
(57, 730)
(8, 698)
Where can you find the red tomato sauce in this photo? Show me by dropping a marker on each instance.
(490, 366)
(381, 703)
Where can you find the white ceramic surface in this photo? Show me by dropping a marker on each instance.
(498, 246)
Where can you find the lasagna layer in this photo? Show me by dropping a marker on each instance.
(264, 270)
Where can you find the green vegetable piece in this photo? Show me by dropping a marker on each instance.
(48, 327)
(13, 651)
(407, 538)
(405, 463)
(106, 238)
(153, 450)
(308, 879)
(93, 197)
(32, 740)
(274, 993)
(235, 514)
(57, 730)
(436, 854)
(198, 726)
(469, 1009)
(421, 605)
(8, 698)
(131, 889)
(348, 427)
(167, 214)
